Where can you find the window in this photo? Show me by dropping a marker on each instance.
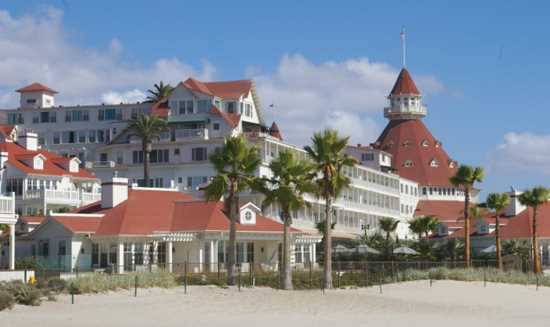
(100, 136)
(177, 152)
(43, 248)
(248, 216)
(81, 136)
(68, 137)
(103, 157)
(56, 138)
(119, 158)
(160, 156)
(91, 136)
(62, 247)
(434, 163)
(203, 106)
(367, 156)
(137, 157)
(198, 154)
(408, 163)
(109, 114)
(189, 107)
(216, 126)
(248, 109)
(424, 143)
(35, 118)
(230, 107)
(31, 101)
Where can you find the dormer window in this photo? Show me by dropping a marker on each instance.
(406, 143)
(425, 143)
(437, 144)
(434, 163)
(452, 164)
(408, 163)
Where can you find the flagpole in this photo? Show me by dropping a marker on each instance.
(404, 47)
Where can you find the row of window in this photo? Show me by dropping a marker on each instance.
(442, 191)
(406, 209)
(188, 107)
(156, 156)
(83, 136)
(371, 177)
(409, 189)
(77, 115)
(371, 198)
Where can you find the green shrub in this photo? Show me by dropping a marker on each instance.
(23, 293)
(6, 300)
(56, 285)
(99, 283)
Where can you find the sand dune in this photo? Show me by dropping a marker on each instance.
(447, 303)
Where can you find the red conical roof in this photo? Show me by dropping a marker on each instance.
(404, 84)
(417, 155)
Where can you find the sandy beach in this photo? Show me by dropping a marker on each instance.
(407, 304)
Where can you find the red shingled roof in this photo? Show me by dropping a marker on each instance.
(410, 139)
(208, 216)
(18, 153)
(444, 211)
(6, 130)
(224, 90)
(36, 87)
(404, 84)
(231, 119)
(79, 224)
(520, 226)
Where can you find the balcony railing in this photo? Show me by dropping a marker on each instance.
(57, 196)
(7, 204)
(196, 134)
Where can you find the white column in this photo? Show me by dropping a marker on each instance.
(169, 259)
(313, 253)
(120, 258)
(133, 251)
(213, 248)
(12, 247)
(155, 253)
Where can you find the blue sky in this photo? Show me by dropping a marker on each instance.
(483, 65)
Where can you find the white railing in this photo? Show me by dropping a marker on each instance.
(422, 110)
(58, 196)
(7, 204)
(199, 133)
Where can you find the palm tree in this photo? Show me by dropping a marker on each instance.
(328, 155)
(292, 178)
(519, 248)
(148, 128)
(159, 92)
(466, 177)
(534, 198)
(498, 202)
(235, 164)
(423, 225)
(388, 225)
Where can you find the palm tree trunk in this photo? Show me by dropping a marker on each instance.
(327, 279)
(467, 226)
(146, 158)
(286, 276)
(536, 258)
(497, 241)
(231, 251)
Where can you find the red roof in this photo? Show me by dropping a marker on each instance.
(409, 140)
(32, 219)
(404, 84)
(36, 87)
(18, 153)
(6, 130)
(275, 132)
(444, 211)
(79, 224)
(231, 119)
(151, 211)
(521, 225)
(224, 90)
(208, 216)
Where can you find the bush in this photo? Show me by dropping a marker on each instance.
(99, 283)
(56, 285)
(6, 300)
(23, 293)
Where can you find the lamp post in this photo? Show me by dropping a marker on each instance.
(365, 228)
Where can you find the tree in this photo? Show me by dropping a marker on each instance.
(292, 178)
(235, 164)
(388, 225)
(498, 202)
(519, 248)
(327, 152)
(534, 198)
(423, 225)
(148, 128)
(159, 92)
(466, 177)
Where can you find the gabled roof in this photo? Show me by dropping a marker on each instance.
(78, 224)
(410, 141)
(444, 211)
(521, 225)
(17, 154)
(404, 84)
(36, 87)
(231, 119)
(225, 90)
(144, 212)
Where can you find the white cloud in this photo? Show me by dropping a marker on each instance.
(132, 96)
(345, 95)
(36, 48)
(523, 152)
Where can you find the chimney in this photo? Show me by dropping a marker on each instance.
(515, 207)
(28, 140)
(114, 191)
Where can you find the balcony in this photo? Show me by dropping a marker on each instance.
(405, 111)
(100, 164)
(191, 134)
(7, 209)
(72, 198)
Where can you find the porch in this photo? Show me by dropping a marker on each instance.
(9, 218)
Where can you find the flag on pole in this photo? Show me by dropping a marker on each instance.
(403, 46)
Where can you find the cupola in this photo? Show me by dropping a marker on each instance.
(405, 99)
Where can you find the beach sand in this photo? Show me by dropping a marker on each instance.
(447, 303)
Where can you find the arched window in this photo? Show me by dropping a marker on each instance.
(408, 163)
(434, 163)
(424, 143)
